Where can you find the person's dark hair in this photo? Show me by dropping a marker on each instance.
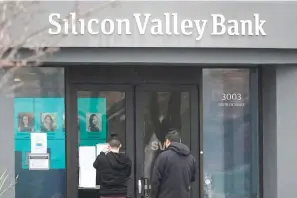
(113, 141)
(173, 136)
(91, 120)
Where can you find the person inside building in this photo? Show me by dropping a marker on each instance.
(112, 170)
(174, 170)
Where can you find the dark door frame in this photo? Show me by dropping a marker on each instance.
(72, 138)
(139, 129)
(99, 79)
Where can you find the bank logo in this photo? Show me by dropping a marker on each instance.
(157, 145)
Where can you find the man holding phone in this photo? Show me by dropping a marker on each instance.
(112, 170)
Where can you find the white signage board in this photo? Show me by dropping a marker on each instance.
(87, 177)
(38, 143)
(87, 156)
(87, 173)
(39, 161)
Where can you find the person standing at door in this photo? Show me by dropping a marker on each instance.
(174, 170)
(112, 170)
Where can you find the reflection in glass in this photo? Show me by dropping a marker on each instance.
(230, 162)
(164, 111)
(115, 112)
(27, 84)
(115, 121)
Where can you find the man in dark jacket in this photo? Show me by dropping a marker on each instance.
(174, 170)
(112, 170)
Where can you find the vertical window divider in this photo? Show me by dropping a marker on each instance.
(256, 149)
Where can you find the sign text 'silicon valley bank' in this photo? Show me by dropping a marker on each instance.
(169, 24)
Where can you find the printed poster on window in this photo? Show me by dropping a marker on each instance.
(40, 116)
(92, 121)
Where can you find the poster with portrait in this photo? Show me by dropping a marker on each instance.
(49, 119)
(48, 122)
(92, 121)
(24, 118)
(25, 122)
(40, 115)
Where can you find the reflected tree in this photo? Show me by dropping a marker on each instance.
(162, 119)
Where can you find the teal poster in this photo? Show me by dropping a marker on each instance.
(92, 121)
(40, 115)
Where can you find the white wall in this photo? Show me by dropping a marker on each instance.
(7, 154)
(286, 95)
(279, 131)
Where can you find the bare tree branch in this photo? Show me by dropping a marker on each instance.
(4, 187)
(11, 13)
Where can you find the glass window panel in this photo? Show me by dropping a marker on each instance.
(115, 112)
(100, 114)
(230, 163)
(164, 111)
(27, 96)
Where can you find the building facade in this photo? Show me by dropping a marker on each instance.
(231, 98)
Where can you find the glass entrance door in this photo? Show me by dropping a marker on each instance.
(140, 116)
(100, 111)
(158, 110)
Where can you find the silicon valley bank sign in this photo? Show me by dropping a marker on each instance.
(145, 23)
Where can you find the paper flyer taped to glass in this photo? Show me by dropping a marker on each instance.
(39, 161)
(38, 143)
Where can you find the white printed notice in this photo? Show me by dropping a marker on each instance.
(39, 161)
(87, 177)
(38, 143)
(87, 156)
(87, 173)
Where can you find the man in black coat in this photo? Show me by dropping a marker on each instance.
(174, 170)
(112, 171)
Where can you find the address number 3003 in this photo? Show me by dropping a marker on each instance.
(231, 96)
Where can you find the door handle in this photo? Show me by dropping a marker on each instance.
(146, 187)
(139, 186)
